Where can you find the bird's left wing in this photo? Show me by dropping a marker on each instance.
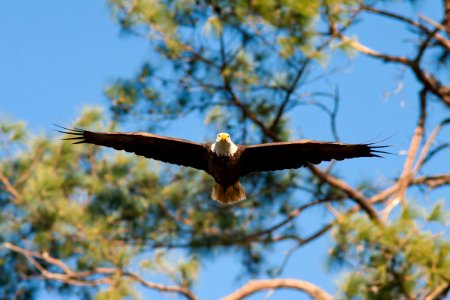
(166, 149)
(293, 155)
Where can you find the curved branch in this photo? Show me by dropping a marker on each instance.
(254, 286)
(435, 151)
(352, 193)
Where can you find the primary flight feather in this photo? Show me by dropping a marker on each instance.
(223, 160)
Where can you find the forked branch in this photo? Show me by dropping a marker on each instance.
(83, 278)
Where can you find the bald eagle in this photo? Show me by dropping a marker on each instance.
(223, 160)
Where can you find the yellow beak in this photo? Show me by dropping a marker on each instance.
(223, 137)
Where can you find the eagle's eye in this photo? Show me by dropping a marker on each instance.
(218, 135)
(228, 136)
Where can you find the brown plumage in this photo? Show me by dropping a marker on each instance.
(223, 160)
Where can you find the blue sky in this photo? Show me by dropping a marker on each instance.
(58, 56)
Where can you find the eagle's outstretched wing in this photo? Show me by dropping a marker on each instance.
(293, 155)
(166, 149)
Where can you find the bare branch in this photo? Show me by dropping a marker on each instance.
(439, 292)
(81, 278)
(435, 151)
(433, 181)
(433, 23)
(9, 187)
(290, 217)
(425, 149)
(429, 81)
(439, 38)
(424, 46)
(384, 194)
(66, 278)
(303, 241)
(407, 173)
(247, 113)
(333, 115)
(162, 288)
(446, 20)
(352, 193)
(254, 286)
(289, 92)
(414, 146)
(370, 52)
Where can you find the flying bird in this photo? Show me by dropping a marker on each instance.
(225, 161)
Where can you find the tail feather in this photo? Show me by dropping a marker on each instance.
(228, 195)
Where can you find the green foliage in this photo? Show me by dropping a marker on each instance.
(439, 214)
(12, 131)
(393, 262)
(120, 289)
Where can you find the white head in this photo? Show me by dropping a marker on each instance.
(223, 145)
(223, 137)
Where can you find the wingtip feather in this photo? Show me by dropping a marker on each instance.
(78, 132)
(378, 153)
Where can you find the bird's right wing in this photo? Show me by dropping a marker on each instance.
(166, 149)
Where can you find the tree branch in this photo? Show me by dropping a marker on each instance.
(439, 292)
(254, 286)
(247, 113)
(425, 149)
(289, 92)
(407, 173)
(290, 217)
(428, 80)
(433, 181)
(446, 20)
(162, 288)
(81, 278)
(439, 38)
(352, 193)
(435, 151)
(70, 277)
(9, 187)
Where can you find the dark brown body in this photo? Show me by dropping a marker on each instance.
(224, 169)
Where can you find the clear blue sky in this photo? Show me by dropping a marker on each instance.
(57, 56)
